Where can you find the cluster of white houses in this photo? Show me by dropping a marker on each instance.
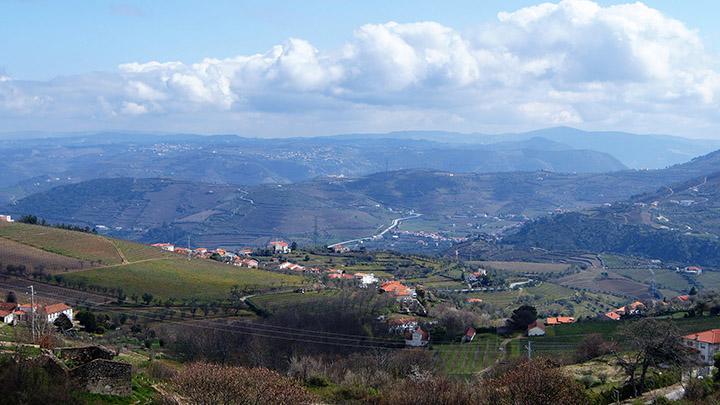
(12, 313)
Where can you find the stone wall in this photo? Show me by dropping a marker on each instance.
(102, 376)
(82, 355)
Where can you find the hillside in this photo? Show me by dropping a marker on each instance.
(679, 223)
(85, 261)
(344, 208)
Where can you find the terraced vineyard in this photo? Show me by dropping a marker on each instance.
(468, 358)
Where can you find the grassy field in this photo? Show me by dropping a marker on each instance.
(468, 358)
(79, 245)
(563, 339)
(552, 299)
(522, 267)
(271, 301)
(610, 282)
(182, 279)
(135, 251)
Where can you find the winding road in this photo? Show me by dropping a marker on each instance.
(393, 225)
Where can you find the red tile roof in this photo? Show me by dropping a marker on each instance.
(470, 332)
(8, 306)
(559, 320)
(396, 288)
(4, 313)
(613, 315)
(55, 308)
(711, 336)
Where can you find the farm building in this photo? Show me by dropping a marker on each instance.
(417, 338)
(537, 328)
(706, 343)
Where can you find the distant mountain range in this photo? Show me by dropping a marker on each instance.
(32, 165)
(343, 208)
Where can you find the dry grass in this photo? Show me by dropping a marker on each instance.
(14, 253)
(80, 245)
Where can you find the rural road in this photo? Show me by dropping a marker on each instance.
(393, 225)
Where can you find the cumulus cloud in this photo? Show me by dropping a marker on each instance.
(574, 62)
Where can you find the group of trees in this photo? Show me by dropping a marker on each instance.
(34, 220)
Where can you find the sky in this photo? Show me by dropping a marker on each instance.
(273, 68)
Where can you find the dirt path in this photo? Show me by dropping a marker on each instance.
(502, 348)
(118, 250)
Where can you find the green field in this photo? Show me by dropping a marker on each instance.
(134, 251)
(181, 279)
(272, 301)
(80, 245)
(467, 358)
(522, 267)
(563, 339)
(552, 299)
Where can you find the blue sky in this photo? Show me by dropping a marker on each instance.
(273, 68)
(50, 38)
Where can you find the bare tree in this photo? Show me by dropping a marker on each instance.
(645, 344)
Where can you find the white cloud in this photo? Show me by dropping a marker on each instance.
(131, 108)
(575, 62)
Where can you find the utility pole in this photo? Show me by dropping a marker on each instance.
(188, 247)
(32, 310)
(315, 233)
(529, 349)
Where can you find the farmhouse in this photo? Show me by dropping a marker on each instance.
(612, 315)
(366, 279)
(53, 311)
(279, 246)
(417, 338)
(560, 320)
(249, 263)
(397, 289)
(340, 248)
(469, 335)
(6, 218)
(7, 316)
(291, 266)
(694, 270)
(706, 343)
(164, 246)
(537, 328)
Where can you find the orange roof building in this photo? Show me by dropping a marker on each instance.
(706, 343)
(559, 320)
(396, 288)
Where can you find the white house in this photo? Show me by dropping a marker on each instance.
(417, 338)
(366, 279)
(165, 246)
(537, 328)
(6, 218)
(706, 343)
(279, 246)
(53, 311)
(7, 316)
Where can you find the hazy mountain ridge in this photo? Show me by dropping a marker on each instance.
(37, 165)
